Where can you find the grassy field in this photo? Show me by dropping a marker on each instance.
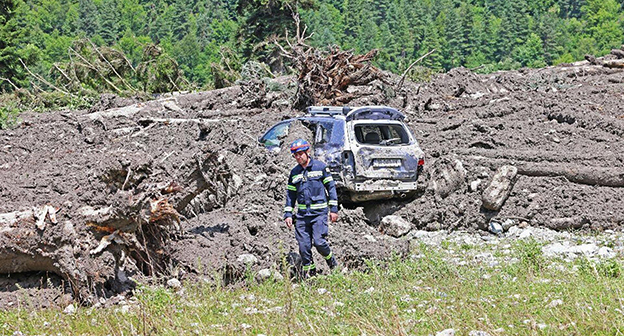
(516, 291)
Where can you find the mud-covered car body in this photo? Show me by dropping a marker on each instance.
(369, 150)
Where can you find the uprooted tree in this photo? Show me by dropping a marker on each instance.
(324, 76)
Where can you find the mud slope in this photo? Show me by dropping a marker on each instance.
(92, 199)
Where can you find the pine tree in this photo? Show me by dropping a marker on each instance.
(109, 22)
(14, 33)
(431, 41)
(88, 18)
(549, 30)
(454, 55)
(133, 16)
(180, 11)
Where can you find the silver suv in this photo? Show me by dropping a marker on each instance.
(369, 150)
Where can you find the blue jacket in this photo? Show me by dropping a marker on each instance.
(313, 188)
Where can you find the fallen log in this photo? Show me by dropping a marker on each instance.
(551, 157)
(98, 256)
(615, 64)
(618, 52)
(598, 176)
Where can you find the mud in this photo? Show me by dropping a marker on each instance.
(102, 171)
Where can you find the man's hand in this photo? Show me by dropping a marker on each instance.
(288, 221)
(333, 217)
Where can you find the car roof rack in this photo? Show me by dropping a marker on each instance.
(328, 110)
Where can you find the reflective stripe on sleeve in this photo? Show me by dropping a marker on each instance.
(291, 187)
(333, 202)
(328, 179)
(297, 178)
(309, 267)
(288, 209)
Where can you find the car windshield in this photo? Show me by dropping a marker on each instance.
(381, 134)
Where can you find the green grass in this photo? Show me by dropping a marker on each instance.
(424, 294)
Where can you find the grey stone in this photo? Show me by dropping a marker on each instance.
(278, 276)
(474, 185)
(495, 227)
(555, 303)
(497, 192)
(606, 252)
(247, 259)
(264, 274)
(70, 309)
(174, 283)
(447, 176)
(395, 226)
(478, 333)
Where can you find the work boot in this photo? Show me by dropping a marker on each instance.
(308, 272)
(332, 263)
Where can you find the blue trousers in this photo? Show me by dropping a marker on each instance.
(312, 230)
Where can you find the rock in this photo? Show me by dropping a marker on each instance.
(172, 106)
(525, 234)
(125, 309)
(446, 332)
(585, 249)
(395, 226)
(567, 223)
(264, 274)
(70, 309)
(237, 181)
(554, 249)
(514, 231)
(447, 176)
(496, 193)
(495, 228)
(555, 303)
(474, 185)
(478, 333)
(509, 223)
(174, 283)
(247, 259)
(606, 253)
(278, 276)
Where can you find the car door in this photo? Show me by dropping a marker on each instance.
(272, 139)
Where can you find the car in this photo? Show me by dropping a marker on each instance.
(369, 150)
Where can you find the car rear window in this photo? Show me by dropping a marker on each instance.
(381, 134)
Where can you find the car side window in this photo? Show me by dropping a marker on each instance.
(323, 133)
(274, 136)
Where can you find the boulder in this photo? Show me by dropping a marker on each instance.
(395, 226)
(499, 188)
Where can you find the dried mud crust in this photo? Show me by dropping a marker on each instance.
(94, 199)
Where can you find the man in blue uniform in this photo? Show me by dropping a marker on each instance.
(312, 187)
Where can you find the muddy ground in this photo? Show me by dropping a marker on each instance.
(179, 188)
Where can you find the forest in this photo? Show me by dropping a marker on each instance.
(70, 49)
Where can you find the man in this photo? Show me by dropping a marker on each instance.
(311, 186)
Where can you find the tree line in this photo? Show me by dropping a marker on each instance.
(208, 43)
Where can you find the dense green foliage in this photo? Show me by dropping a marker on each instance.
(211, 40)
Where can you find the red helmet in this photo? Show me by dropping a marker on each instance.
(299, 145)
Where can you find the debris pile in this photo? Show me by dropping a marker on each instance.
(95, 200)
